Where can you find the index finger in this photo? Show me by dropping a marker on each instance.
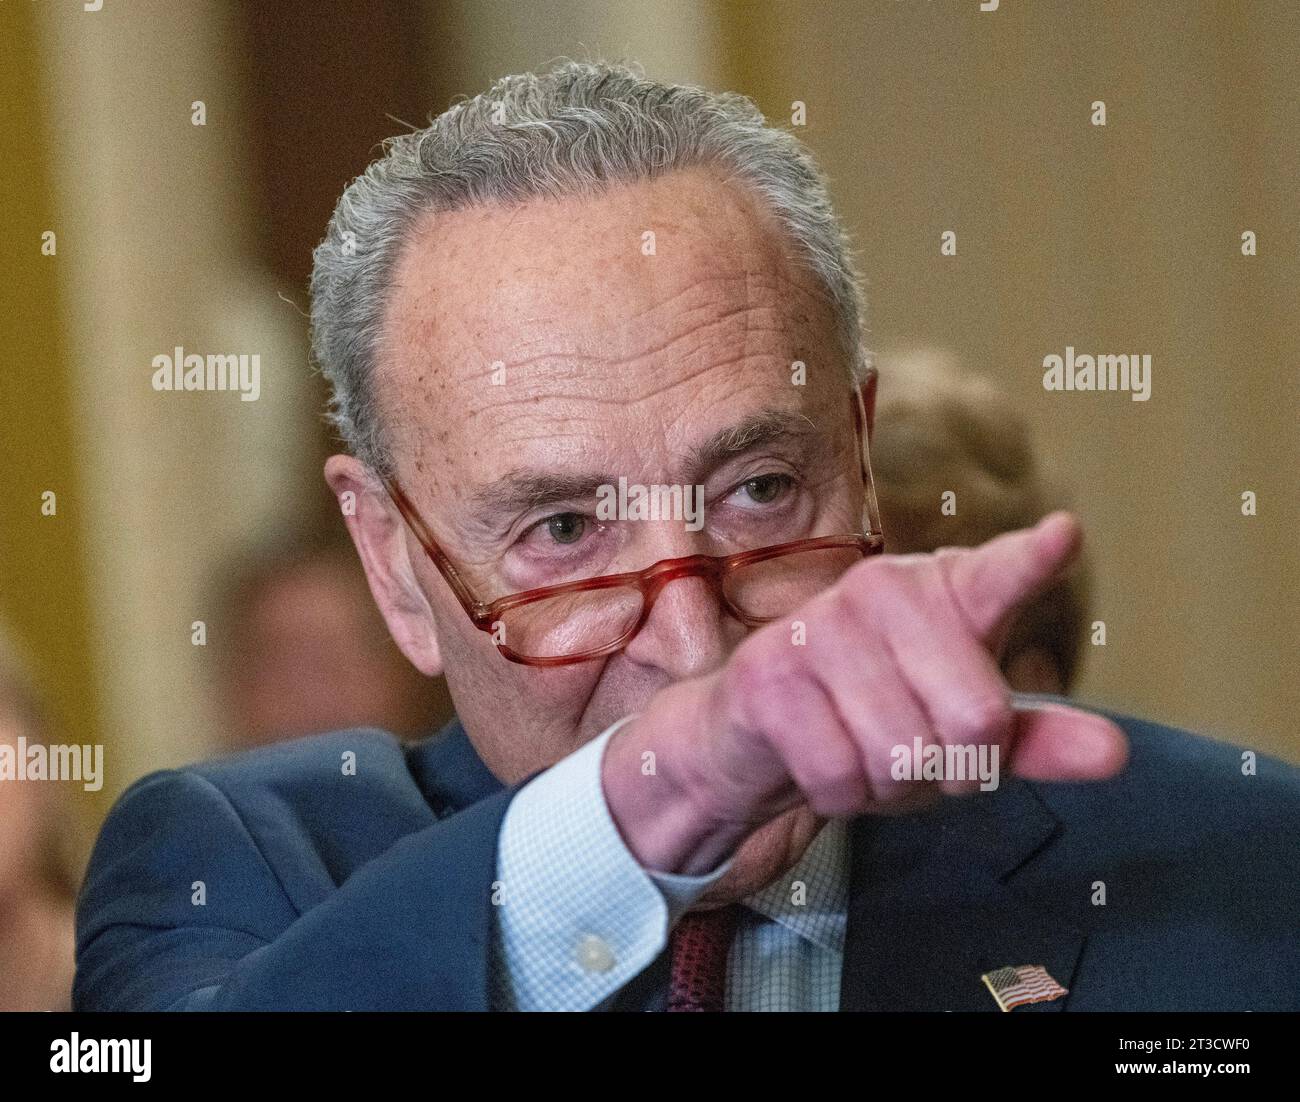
(991, 581)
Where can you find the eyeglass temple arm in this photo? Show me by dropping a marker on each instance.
(469, 602)
(871, 514)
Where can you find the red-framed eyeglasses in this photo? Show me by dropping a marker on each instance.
(559, 625)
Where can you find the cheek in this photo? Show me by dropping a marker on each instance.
(481, 680)
(497, 699)
(521, 719)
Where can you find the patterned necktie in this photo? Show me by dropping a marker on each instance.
(698, 948)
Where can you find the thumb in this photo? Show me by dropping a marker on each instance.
(1054, 742)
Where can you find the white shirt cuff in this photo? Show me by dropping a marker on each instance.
(579, 917)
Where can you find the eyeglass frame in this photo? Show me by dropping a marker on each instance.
(652, 579)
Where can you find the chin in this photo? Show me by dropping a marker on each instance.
(771, 850)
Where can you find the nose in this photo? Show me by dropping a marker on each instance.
(688, 633)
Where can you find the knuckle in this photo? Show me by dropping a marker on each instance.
(761, 669)
(872, 573)
(946, 557)
(845, 607)
(744, 684)
(885, 586)
(773, 661)
(888, 571)
(983, 713)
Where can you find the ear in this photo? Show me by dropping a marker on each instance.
(381, 541)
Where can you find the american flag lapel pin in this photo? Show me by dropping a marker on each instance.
(1029, 983)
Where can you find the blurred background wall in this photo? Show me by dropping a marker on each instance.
(929, 116)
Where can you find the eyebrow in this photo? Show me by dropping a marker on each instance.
(521, 490)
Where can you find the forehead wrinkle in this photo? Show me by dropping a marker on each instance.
(774, 290)
(517, 411)
(758, 317)
(566, 366)
(776, 281)
(780, 317)
(566, 361)
(774, 276)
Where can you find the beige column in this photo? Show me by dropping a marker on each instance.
(155, 248)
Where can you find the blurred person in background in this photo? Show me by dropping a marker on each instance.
(940, 430)
(36, 887)
(305, 650)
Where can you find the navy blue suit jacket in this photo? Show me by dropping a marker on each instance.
(327, 891)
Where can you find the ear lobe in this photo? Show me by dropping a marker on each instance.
(379, 536)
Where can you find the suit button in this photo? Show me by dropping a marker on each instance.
(594, 955)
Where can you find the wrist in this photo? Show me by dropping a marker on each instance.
(654, 796)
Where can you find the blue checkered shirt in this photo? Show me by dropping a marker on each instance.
(577, 917)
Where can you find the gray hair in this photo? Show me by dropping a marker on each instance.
(574, 130)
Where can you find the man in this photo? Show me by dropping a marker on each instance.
(680, 786)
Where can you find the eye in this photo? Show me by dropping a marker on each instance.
(766, 488)
(566, 527)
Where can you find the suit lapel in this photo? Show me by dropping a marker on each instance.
(933, 905)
